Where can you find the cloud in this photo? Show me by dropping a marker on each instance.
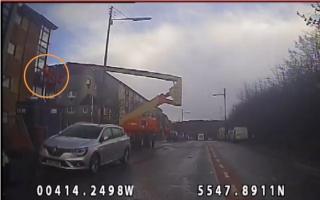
(212, 46)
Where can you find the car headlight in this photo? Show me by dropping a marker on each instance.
(80, 151)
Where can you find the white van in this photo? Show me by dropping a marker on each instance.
(230, 135)
(240, 133)
(221, 134)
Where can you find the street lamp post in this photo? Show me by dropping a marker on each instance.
(107, 43)
(135, 19)
(224, 94)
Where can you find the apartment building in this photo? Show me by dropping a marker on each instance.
(25, 34)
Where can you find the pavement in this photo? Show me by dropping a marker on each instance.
(181, 170)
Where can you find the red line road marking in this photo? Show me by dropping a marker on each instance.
(226, 176)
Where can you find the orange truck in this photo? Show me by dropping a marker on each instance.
(144, 128)
(143, 125)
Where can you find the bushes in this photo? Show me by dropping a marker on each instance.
(286, 107)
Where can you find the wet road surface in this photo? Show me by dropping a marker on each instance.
(175, 170)
(170, 171)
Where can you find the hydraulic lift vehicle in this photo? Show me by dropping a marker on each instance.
(142, 125)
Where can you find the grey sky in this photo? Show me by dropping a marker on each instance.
(210, 45)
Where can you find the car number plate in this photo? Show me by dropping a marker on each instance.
(53, 162)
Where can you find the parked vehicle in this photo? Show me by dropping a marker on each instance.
(173, 136)
(230, 135)
(238, 134)
(142, 124)
(200, 136)
(86, 146)
(221, 134)
(241, 133)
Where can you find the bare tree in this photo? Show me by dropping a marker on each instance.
(285, 109)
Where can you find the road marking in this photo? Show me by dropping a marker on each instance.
(212, 165)
(221, 166)
(213, 153)
(226, 175)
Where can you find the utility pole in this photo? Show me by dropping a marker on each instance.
(225, 104)
(107, 47)
(108, 35)
(105, 63)
(224, 94)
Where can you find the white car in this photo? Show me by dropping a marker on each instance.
(86, 146)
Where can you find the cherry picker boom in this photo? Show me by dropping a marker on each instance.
(142, 128)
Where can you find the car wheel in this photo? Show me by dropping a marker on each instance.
(126, 156)
(94, 163)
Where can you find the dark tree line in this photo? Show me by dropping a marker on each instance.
(284, 110)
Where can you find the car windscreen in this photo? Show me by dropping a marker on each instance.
(82, 131)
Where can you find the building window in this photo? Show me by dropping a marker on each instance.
(25, 24)
(42, 49)
(43, 44)
(70, 109)
(107, 112)
(46, 29)
(41, 63)
(21, 110)
(18, 19)
(4, 117)
(85, 109)
(6, 81)
(11, 48)
(53, 111)
(45, 37)
(18, 53)
(88, 83)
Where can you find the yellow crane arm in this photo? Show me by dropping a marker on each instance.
(147, 107)
(175, 92)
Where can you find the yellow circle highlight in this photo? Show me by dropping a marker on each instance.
(49, 96)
